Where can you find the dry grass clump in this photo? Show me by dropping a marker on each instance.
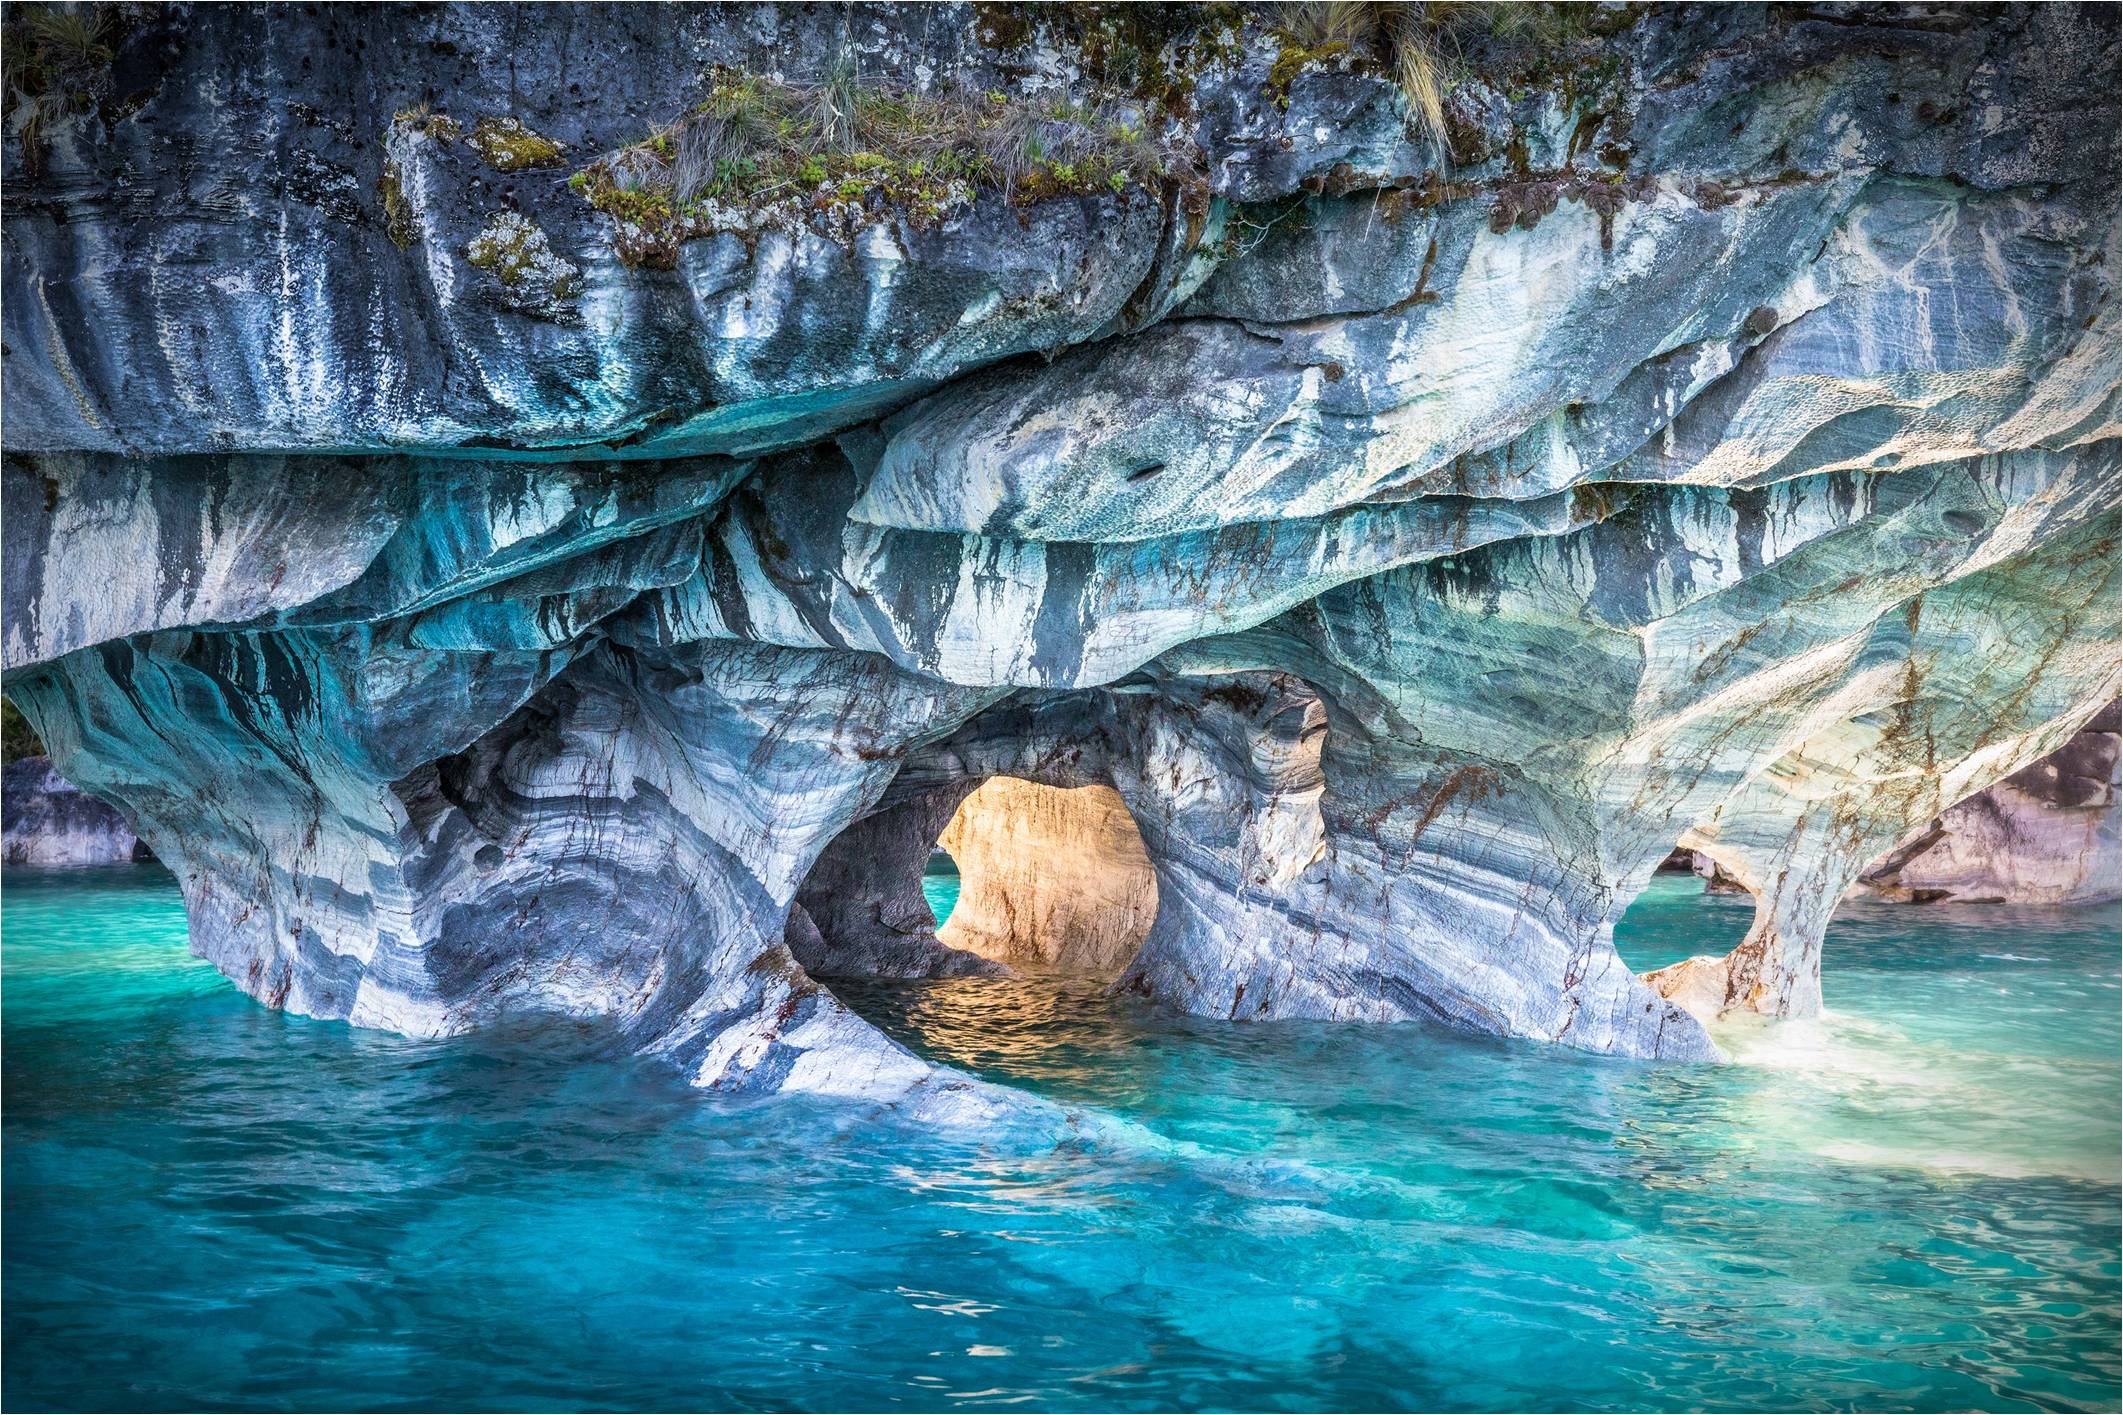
(1404, 35)
(1416, 42)
(56, 61)
(845, 147)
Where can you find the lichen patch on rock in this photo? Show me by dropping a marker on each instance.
(509, 146)
(517, 254)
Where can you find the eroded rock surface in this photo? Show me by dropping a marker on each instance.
(490, 601)
(51, 821)
(2047, 834)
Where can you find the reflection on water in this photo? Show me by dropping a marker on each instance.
(1911, 1203)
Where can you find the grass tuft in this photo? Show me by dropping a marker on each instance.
(1417, 42)
(54, 63)
(851, 150)
(1407, 36)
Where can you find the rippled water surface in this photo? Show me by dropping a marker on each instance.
(1912, 1203)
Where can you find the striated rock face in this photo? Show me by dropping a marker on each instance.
(50, 821)
(495, 593)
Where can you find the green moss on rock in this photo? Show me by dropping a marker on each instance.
(760, 153)
(399, 222)
(509, 146)
(17, 738)
(517, 254)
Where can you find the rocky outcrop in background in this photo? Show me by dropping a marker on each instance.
(46, 820)
(498, 517)
(2051, 833)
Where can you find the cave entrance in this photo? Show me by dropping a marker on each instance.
(1048, 877)
(952, 878)
(1679, 931)
(939, 884)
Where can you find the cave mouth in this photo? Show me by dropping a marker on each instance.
(1049, 878)
(1660, 936)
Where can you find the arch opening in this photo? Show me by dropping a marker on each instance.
(940, 885)
(1049, 878)
(1693, 894)
(980, 876)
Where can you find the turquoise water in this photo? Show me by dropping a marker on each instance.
(940, 887)
(1911, 1204)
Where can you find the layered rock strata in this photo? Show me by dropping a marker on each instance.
(492, 592)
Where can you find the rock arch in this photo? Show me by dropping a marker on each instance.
(1050, 876)
(466, 650)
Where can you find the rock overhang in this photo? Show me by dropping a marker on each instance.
(1712, 430)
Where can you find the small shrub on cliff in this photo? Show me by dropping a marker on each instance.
(425, 121)
(56, 61)
(836, 154)
(69, 39)
(1404, 36)
(17, 738)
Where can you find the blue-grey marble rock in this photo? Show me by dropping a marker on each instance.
(46, 820)
(1710, 439)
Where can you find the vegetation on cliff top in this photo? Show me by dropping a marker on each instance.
(843, 152)
(834, 155)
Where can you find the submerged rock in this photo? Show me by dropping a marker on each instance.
(495, 592)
